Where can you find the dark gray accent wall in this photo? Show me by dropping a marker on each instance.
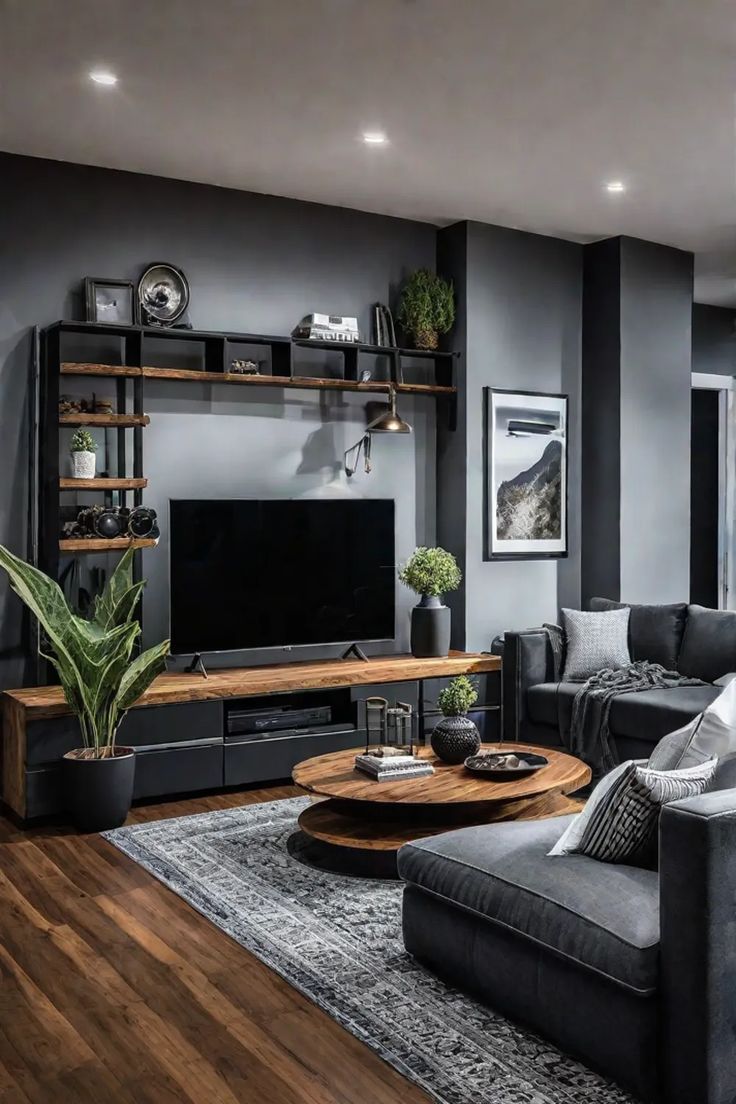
(452, 451)
(520, 295)
(255, 263)
(714, 340)
(636, 457)
(600, 567)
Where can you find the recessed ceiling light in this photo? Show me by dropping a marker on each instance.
(615, 186)
(374, 138)
(103, 76)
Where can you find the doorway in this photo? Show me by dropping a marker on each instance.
(711, 480)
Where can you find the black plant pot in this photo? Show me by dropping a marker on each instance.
(98, 792)
(454, 739)
(430, 628)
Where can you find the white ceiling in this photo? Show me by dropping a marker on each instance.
(507, 111)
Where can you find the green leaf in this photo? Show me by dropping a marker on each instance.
(141, 674)
(117, 587)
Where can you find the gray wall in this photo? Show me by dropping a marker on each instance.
(256, 263)
(714, 340)
(522, 327)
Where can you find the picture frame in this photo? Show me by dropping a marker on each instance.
(110, 301)
(525, 453)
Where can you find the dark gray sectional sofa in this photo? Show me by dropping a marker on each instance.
(631, 970)
(692, 640)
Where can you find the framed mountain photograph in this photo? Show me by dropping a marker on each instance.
(526, 475)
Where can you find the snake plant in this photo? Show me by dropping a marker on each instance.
(92, 657)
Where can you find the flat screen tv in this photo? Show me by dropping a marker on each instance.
(278, 573)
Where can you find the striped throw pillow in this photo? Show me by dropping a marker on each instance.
(621, 823)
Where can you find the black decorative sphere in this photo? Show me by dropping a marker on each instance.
(454, 739)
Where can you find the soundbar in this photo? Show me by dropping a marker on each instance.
(241, 722)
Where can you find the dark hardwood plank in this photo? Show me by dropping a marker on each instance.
(113, 989)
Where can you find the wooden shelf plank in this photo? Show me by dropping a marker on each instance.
(102, 483)
(115, 420)
(424, 389)
(72, 368)
(239, 682)
(307, 383)
(97, 544)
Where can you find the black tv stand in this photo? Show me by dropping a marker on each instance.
(197, 664)
(354, 650)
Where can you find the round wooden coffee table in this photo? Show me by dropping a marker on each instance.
(363, 818)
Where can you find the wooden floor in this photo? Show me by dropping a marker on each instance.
(112, 989)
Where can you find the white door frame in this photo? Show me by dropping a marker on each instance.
(726, 388)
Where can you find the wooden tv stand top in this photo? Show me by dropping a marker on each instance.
(40, 702)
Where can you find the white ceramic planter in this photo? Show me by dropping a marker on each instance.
(83, 465)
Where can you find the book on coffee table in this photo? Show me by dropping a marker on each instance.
(392, 767)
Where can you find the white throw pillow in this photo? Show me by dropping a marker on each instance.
(712, 734)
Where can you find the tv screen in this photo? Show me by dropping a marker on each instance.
(276, 573)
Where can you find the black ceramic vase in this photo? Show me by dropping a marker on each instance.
(430, 628)
(454, 739)
(99, 792)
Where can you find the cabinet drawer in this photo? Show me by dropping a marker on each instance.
(274, 758)
(178, 770)
(154, 724)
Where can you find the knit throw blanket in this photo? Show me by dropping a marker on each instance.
(590, 736)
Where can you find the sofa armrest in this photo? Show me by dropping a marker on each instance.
(697, 874)
(527, 660)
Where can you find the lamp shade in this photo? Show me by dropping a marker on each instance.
(389, 421)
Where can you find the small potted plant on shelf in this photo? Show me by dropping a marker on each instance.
(427, 308)
(455, 737)
(100, 681)
(431, 573)
(83, 447)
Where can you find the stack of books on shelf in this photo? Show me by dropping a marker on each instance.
(392, 767)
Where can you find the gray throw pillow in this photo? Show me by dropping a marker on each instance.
(595, 642)
(620, 820)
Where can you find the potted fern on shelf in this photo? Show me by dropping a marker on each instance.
(431, 573)
(455, 737)
(83, 448)
(427, 308)
(101, 681)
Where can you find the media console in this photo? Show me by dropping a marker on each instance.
(185, 731)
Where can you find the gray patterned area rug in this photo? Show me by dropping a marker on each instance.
(313, 927)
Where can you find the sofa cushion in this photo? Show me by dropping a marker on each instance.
(709, 644)
(603, 917)
(655, 632)
(647, 716)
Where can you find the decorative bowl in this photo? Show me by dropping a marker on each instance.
(495, 765)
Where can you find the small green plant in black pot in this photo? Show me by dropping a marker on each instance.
(100, 680)
(455, 737)
(427, 308)
(431, 573)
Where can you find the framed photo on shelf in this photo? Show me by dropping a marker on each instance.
(525, 460)
(112, 301)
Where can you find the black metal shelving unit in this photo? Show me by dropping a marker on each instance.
(136, 347)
